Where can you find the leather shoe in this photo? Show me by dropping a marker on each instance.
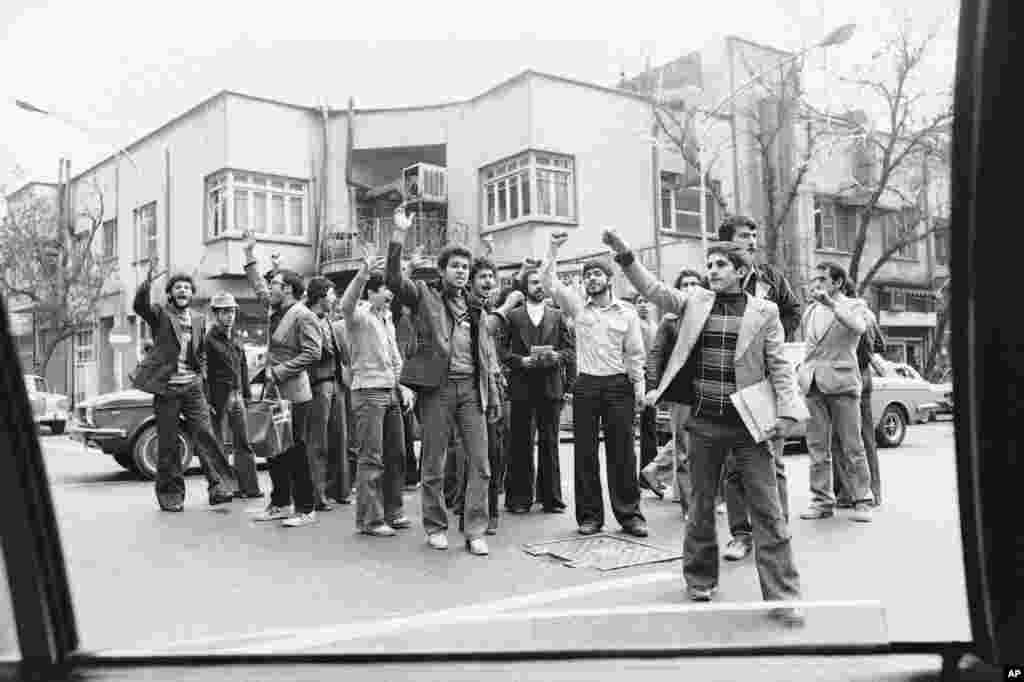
(221, 498)
(438, 540)
(519, 509)
(323, 507)
(637, 529)
(699, 593)
(589, 528)
(789, 616)
(400, 523)
(554, 510)
(815, 513)
(380, 530)
(492, 526)
(172, 507)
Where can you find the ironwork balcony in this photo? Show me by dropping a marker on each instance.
(426, 237)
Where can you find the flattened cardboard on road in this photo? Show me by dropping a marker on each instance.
(603, 551)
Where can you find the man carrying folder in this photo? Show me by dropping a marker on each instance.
(735, 341)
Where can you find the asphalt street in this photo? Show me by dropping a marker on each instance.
(212, 579)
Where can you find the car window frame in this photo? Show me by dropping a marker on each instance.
(44, 614)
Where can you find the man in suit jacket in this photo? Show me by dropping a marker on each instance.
(173, 371)
(455, 374)
(831, 379)
(293, 347)
(736, 341)
(537, 385)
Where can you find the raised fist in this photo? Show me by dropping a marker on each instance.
(403, 220)
(610, 236)
(558, 238)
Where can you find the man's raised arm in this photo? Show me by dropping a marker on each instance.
(566, 299)
(355, 288)
(402, 287)
(252, 271)
(669, 300)
(141, 305)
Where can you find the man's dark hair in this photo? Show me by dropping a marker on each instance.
(317, 289)
(522, 282)
(373, 284)
(737, 255)
(452, 250)
(480, 264)
(727, 228)
(686, 272)
(180, 277)
(294, 280)
(836, 272)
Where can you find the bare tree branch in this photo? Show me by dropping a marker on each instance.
(893, 249)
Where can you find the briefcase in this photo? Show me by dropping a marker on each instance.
(270, 426)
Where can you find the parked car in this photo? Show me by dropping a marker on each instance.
(51, 409)
(943, 388)
(122, 425)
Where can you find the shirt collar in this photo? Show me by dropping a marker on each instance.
(615, 304)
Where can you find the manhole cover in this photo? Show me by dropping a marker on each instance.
(602, 551)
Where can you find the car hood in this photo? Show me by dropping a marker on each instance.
(130, 397)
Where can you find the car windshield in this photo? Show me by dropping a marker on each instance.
(439, 482)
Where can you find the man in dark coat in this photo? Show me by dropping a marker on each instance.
(173, 372)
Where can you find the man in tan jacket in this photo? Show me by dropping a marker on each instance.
(736, 341)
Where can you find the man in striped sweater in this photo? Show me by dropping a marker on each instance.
(736, 342)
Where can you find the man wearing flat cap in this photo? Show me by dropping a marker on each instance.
(228, 381)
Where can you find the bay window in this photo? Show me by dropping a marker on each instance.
(680, 206)
(508, 188)
(267, 205)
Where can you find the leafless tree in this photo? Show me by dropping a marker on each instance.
(55, 265)
(912, 137)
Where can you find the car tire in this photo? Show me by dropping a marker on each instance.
(892, 428)
(144, 452)
(57, 427)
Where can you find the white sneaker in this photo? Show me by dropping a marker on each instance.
(300, 520)
(273, 513)
(438, 540)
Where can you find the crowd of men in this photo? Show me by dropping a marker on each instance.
(485, 372)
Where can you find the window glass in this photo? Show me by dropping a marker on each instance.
(259, 206)
(295, 217)
(241, 209)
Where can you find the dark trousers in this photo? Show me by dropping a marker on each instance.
(608, 403)
(188, 402)
(412, 473)
(339, 470)
(228, 406)
(290, 471)
(380, 440)
(519, 489)
(648, 435)
(710, 443)
(326, 462)
(867, 434)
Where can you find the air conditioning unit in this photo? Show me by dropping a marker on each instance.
(425, 182)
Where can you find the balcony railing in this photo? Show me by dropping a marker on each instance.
(427, 235)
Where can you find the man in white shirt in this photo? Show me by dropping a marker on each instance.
(609, 392)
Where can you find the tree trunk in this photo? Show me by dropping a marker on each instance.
(936, 342)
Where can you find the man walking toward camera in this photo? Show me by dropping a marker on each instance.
(831, 380)
(454, 373)
(294, 346)
(736, 340)
(228, 384)
(608, 392)
(173, 372)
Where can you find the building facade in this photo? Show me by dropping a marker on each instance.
(534, 154)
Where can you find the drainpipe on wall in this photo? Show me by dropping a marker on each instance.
(350, 194)
(320, 227)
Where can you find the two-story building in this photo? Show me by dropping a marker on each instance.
(535, 153)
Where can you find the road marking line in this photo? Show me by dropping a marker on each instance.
(302, 639)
